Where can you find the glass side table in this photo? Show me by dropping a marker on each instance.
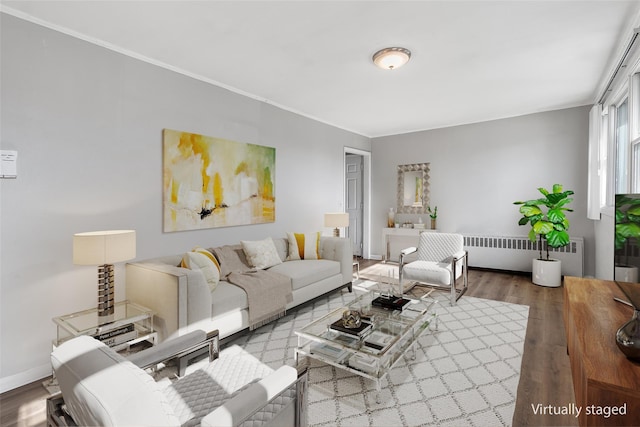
(132, 323)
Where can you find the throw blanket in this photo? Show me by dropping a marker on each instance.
(268, 294)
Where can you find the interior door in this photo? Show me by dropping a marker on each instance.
(354, 200)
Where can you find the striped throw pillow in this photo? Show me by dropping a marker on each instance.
(198, 261)
(208, 254)
(303, 246)
(192, 262)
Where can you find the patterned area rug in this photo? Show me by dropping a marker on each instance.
(465, 373)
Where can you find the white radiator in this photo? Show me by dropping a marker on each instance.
(515, 253)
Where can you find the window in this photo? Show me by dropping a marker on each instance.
(618, 165)
(614, 134)
(603, 165)
(622, 148)
(634, 146)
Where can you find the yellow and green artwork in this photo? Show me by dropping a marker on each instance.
(212, 182)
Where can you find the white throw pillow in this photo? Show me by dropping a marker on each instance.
(261, 254)
(303, 246)
(201, 262)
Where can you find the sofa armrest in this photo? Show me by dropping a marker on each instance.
(242, 406)
(178, 296)
(338, 249)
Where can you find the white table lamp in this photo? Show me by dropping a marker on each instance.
(336, 220)
(104, 248)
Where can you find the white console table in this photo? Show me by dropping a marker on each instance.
(389, 233)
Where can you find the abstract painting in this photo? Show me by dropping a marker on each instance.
(212, 182)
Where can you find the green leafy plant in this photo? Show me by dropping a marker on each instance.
(432, 213)
(547, 219)
(627, 220)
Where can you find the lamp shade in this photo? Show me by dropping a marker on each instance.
(337, 219)
(104, 247)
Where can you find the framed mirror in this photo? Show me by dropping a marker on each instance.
(413, 188)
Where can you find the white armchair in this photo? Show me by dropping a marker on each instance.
(442, 261)
(100, 387)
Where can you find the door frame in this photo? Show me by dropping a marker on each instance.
(366, 195)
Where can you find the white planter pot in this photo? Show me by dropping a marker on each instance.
(547, 273)
(625, 273)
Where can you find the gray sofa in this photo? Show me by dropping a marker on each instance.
(182, 300)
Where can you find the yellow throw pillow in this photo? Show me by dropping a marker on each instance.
(197, 261)
(303, 246)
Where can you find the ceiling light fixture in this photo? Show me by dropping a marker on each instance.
(391, 58)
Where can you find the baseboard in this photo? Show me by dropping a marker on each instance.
(26, 377)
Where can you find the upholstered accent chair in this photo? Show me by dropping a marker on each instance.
(100, 387)
(441, 262)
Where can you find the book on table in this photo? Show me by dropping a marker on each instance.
(379, 340)
(363, 363)
(359, 331)
(118, 335)
(335, 353)
(390, 303)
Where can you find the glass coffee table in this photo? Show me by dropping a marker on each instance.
(373, 348)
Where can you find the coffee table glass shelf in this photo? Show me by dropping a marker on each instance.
(131, 323)
(374, 353)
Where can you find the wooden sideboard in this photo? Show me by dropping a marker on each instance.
(603, 378)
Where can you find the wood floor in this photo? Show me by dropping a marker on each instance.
(545, 377)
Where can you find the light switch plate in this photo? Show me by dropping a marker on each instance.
(8, 164)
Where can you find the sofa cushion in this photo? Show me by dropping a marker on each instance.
(261, 254)
(102, 388)
(306, 272)
(226, 298)
(303, 246)
(197, 394)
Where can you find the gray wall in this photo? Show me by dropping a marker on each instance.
(87, 123)
(479, 170)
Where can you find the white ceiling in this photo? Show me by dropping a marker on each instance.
(471, 60)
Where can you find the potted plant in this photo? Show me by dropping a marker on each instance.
(549, 225)
(627, 227)
(434, 215)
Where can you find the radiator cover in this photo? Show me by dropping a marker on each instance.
(515, 253)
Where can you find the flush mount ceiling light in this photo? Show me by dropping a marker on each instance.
(391, 58)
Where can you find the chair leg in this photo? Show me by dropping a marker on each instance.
(453, 288)
(455, 294)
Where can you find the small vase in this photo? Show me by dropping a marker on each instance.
(391, 218)
(433, 223)
(628, 337)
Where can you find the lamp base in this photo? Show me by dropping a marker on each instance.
(336, 232)
(106, 294)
